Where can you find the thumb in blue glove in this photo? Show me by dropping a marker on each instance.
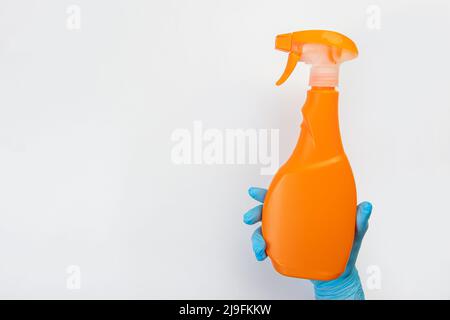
(348, 285)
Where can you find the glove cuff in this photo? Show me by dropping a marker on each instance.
(346, 287)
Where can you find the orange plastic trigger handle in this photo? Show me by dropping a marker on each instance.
(283, 42)
(290, 66)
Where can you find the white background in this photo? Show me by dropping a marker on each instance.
(86, 117)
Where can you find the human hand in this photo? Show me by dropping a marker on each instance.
(348, 285)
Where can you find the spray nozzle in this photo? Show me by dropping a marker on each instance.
(323, 49)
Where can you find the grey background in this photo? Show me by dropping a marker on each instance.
(86, 118)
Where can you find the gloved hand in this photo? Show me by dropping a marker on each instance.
(348, 285)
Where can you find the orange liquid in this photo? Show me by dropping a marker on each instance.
(309, 212)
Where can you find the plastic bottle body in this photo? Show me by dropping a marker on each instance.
(310, 209)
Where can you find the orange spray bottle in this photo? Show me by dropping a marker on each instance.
(309, 212)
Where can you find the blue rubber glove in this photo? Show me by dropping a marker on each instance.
(348, 285)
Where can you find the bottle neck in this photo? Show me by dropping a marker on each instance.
(316, 88)
(320, 136)
(324, 75)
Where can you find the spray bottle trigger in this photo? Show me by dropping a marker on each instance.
(290, 66)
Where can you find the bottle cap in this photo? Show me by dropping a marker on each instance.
(324, 50)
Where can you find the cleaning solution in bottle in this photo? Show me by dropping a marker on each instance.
(309, 212)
